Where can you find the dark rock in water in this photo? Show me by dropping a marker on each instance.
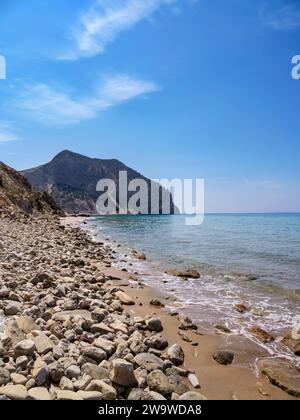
(282, 374)
(223, 357)
(262, 335)
(222, 328)
(139, 255)
(157, 303)
(241, 308)
(251, 277)
(185, 274)
(292, 344)
(72, 178)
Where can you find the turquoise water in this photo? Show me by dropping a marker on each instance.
(229, 251)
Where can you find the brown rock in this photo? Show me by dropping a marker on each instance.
(262, 335)
(282, 374)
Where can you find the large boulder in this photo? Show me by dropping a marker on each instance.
(283, 374)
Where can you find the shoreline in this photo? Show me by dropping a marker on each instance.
(241, 379)
(76, 328)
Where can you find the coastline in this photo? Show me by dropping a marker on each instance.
(241, 380)
(77, 328)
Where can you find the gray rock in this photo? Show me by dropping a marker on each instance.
(101, 328)
(158, 382)
(179, 387)
(153, 396)
(194, 381)
(108, 346)
(149, 361)
(94, 371)
(14, 392)
(4, 376)
(12, 308)
(108, 392)
(43, 344)
(40, 372)
(122, 373)
(94, 353)
(175, 354)
(82, 383)
(18, 379)
(157, 342)
(66, 384)
(22, 362)
(98, 314)
(39, 394)
(154, 324)
(223, 357)
(68, 396)
(56, 371)
(124, 298)
(90, 395)
(30, 384)
(192, 395)
(24, 348)
(73, 372)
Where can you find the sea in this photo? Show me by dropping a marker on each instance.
(249, 259)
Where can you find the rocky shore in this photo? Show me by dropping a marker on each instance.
(75, 330)
(68, 334)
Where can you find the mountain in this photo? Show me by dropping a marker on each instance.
(71, 179)
(17, 195)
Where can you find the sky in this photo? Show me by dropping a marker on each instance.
(172, 88)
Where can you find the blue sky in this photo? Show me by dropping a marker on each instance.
(173, 88)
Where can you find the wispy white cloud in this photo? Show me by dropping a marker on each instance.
(54, 107)
(105, 20)
(6, 132)
(286, 17)
(265, 184)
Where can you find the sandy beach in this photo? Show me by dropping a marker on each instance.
(75, 327)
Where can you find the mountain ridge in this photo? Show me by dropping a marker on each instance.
(71, 179)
